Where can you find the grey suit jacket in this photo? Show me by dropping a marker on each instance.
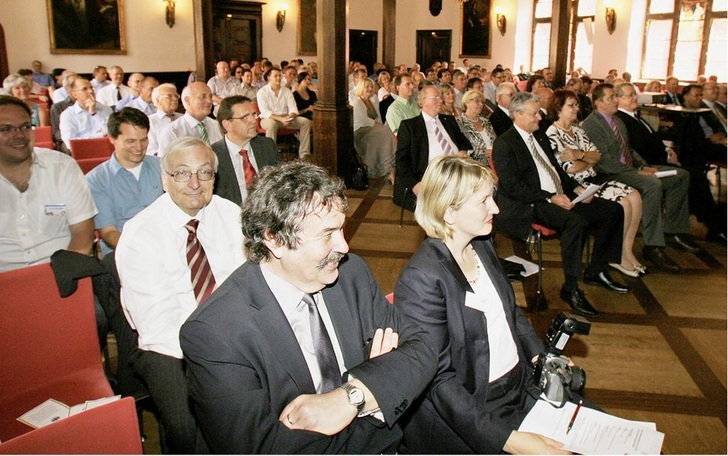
(432, 291)
(606, 141)
(245, 365)
(226, 183)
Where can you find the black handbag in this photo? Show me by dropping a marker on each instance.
(358, 176)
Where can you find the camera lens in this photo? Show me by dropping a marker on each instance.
(578, 379)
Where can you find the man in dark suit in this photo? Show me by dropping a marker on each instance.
(532, 183)
(420, 139)
(544, 95)
(268, 352)
(620, 159)
(241, 153)
(672, 92)
(501, 117)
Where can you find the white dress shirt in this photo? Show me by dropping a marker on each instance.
(222, 89)
(270, 103)
(434, 145)
(157, 122)
(187, 126)
(107, 94)
(59, 95)
(237, 159)
(143, 106)
(36, 223)
(78, 123)
(156, 288)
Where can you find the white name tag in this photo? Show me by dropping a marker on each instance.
(55, 209)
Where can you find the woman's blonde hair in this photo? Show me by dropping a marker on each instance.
(359, 89)
(448, 182)
(446, 88)
(471, 95)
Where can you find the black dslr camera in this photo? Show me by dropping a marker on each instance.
(552, 373)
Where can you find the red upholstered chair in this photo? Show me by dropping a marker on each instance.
(44, 137)
(91, 148)
(49, 347)
(87, 164)
(109, 429)
(281, 131)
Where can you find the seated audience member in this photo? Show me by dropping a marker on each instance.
(17, 86)
(383, 79)
(544, 95)
(653, 86)
(318, 372)
(222, 84)
(144, 101)
(86, 118)
(577, 155)
(421, 139)
(356, 76)
(533, 188)
(585, 103)
(288, 79)
(476, 127)
(456, 290)
(278, 110)
(129, 181)
(722, 100)
(305, 97)
(58, 108)
(459, 81)
(241, 153)
(38, 181)
(711, 92)
(373, 141)
(41, 78)
(62, 92)
(489, 89)
(166, 101)
(161, 285)
(501, 117)
(474, 84)
(135, 84)
(448, 101)
(444, 76)
(535, 82)
(33, 87)
(247, 88)
(100, 78)
(625, 165)
(115, 91)
(673, 95)
(197, 100)
(713, 138)
(404, 105)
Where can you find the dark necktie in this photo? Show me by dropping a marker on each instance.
(325, 355)
(644, 122)
(549, 169)
(118, 93)
(625, 157)
(203, 282)
(248, 169)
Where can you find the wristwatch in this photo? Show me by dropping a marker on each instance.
(356, 396)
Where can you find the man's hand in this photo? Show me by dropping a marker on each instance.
(383, 342)
(90, 105)
(327, 413)
(562, 201)
(570, 155)
(530, 443)
(579, 190)
(672, 157)
(647, 171)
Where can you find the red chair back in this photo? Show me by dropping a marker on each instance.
(87, 164)
(44, 137)
(49, 346)
(91, 148)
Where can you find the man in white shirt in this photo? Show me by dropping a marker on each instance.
(135, 85)
(222, 84)
(144, 101)
(100, 78)
(197, 100)
(246, 87)
(116, 90)
(87, 118)
(278, 110)
(166, 101)
(459, 82)
(170, 256)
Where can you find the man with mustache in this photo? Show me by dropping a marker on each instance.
(295, 352)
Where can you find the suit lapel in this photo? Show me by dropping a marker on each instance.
(226, 178)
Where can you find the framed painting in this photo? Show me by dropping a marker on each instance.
(307, 27)
(475, 29)
(86, 26)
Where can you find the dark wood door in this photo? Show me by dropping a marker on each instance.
(432, 46)
(363, 47)
(236, 31)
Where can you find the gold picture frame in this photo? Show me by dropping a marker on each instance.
(86, 26)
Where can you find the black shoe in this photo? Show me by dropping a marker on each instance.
(658, 258)
(682, 242)
(577, 301)
(717, 238)
(605, 281)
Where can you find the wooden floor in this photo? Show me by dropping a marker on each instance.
(656, 354)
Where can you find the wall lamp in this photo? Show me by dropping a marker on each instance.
(500, 21)
(281, 17)
(169, 12)
(610, 17)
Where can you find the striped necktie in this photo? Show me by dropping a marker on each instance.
(203, 282)
(544, 164)
(625, 157)
(444, 143)
(203, 132)
(325, 355)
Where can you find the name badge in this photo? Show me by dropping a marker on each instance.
(55, 209)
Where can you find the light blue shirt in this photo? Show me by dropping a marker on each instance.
(119, 196)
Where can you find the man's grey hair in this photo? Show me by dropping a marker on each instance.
(520, 100)
(156, 90)
(423, 93)
(180, 145)
(619, 88)
(505, 87)
(280, 200)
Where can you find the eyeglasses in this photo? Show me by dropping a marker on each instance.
(185, 176)
(250, 116)
(434, 97)
(10, 129)
(172, 96)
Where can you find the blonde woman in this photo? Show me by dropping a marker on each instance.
(448, 101)
(373, 141)
(17, 86)
(476, 127)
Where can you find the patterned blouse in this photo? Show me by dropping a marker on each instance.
(480, 140)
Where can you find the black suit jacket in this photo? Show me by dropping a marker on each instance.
(413, 151)
(646, 142)
(500, 121)
(245, 365)
(432, 291)
(519, 186)
(226, 183)
(667, 100)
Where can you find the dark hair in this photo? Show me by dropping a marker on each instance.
(57, 72)
(586, 79)
(266, 75)
(496, 71)
(6, 100)
(225, 111)
(301, 76)
(598, 92)
(532, 80)
(471, 82)
(131, 116)
(686, 90)
(558, 100)
(442, 71)
(399, 77)
(281, 198)
(25, 72)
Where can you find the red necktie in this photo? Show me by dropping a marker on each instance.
(203, 282)
(248, 169)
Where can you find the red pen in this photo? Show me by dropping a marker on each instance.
(573, 417)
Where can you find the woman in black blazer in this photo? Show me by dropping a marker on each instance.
(455, 289)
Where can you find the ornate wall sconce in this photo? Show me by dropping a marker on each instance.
(281, 17)
(610, 17)
(169, 12)
(500, 21)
